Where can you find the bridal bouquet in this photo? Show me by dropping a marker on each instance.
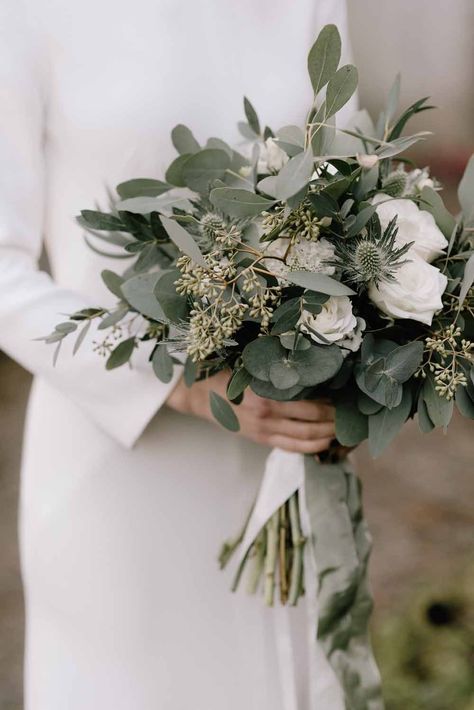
(316, 263)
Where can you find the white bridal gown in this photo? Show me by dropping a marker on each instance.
(124, 503)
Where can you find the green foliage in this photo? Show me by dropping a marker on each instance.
(251, 116)
(162, 363)
(238, 202)
(184, 141)
(121, 354)
(324, 57)
(223, 412)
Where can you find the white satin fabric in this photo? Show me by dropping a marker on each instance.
(126, 609)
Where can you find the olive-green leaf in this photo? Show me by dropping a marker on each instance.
(259, 355)
(142, 187)
(183, 140)
(351, 424)
(317, 364)
(440, 410)
(340, 89)
(432, 202)
(385, 425)
(174, 173)
(468, 279)
(319, 282)
(324, 57)
(466, 193)
(162, 364)
(223, 412)
(113, 282)
(120, 354)
(139, 293)
(251, 116)
(183, 240)
(204, 167)
(295, 175)
(238, 382)
(236, 202)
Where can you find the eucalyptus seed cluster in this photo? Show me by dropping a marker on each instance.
(261, 298)
(216, 231)
(446, 351)
(199, 281)
(104, 347)
(300, 223)
(211, 326)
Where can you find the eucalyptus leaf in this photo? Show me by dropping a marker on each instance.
(121, 354)
(138, 291)
(183, 140)
(468, 279)
(267, 390)
(101, 221)
(385, 425)
(424, 422)
(162, 363)
(183, 240)
(113, 282)
(351, 424)
(361, 220)
(81, 337)
(322, 283)
(295, 175)
(142, 187)
(317, 364)
(464, 403)
(202, 168)
(173, 305)
(341, 88)
(432, 202)
(223, 412)
(259, 355)
(324, 57)
(251, 116)
(238, 382)
(174, 174)
(466, 193)
(190, 372)
(439, 409)
(236, 202)
(284, 374)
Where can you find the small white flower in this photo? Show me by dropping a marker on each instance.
(304, 255)
(336, 323)
(418, 179)
(414, 225)
(245, 170)
(272, 157)
(416, 294)
(367, 161)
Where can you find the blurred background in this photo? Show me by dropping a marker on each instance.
(418, 495)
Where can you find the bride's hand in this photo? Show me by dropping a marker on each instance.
(304, 427)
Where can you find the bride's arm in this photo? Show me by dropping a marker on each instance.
(121, 402)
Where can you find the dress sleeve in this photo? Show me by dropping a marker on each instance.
(123, 401)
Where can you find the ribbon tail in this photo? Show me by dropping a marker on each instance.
(340, 547)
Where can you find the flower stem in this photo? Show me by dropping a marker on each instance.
(271, 559)
(258, 561)
(296, 583)
(283, 515)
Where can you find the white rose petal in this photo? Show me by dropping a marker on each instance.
(414, 225)
(335, 322)
(416, 293)
(272, 157)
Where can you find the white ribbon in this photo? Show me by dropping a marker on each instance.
(284, 475)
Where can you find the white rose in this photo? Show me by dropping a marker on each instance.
(336, 322)
(416, 293)
(272, 157)
(414, 225)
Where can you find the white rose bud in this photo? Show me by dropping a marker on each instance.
(416, 294)
(367, 161)
(414, 225)
(335, 323)
(272, 158)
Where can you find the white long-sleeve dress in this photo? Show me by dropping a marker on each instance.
(124, 503)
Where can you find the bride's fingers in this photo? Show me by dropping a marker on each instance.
(293, 429)
(298, 445)
(313, 411)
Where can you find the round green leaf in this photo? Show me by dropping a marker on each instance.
(223, 412)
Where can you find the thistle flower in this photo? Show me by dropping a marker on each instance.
(395, 183)
(371, 257)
